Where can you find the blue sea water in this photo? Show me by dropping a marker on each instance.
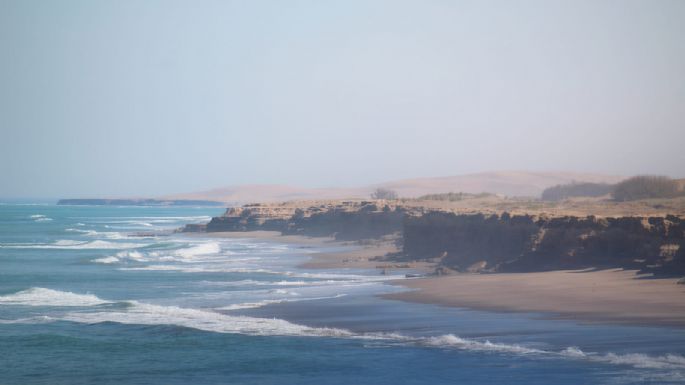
(97, 295)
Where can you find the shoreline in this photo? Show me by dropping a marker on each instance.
(359, 256)
(273, 236)
(613, 296)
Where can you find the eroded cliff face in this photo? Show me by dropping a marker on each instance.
(530, 243)
(253, 217)
(348, 220)
(479, 242)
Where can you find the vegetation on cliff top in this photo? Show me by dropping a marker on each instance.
(635, 188)
(384, 193)
(645, 187)
(452, 196)
(575, 189)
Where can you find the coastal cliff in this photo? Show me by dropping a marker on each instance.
(346, 220)
(499, 243)
(478, 242)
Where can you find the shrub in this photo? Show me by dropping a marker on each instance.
(574, 189)
(384, 193)
(644, 187)
(452, 196)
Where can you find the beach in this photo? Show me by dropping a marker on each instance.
(612, 296)
(348, 254)
(615, 296)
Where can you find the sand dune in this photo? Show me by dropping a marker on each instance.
(509, 183)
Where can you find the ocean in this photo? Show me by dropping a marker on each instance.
(98, 295)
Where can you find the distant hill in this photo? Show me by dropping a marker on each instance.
(271, 193)
(509, 183)
(137, 202)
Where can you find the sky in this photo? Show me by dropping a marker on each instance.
(145, 98)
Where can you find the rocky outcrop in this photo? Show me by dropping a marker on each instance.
(253, 217)
(529, 243)
(194, 228)
(347, 220)
(478, 242)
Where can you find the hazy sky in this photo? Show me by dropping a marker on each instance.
(152, 97)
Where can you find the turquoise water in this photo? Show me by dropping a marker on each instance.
(112, 295)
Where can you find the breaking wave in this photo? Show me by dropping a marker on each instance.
(252, 305)
(147, 314)
(252, 282)
(106, 260)
(199, 250)
(74, 245)
(450, 340)
(189, 254)
(322, 278)
(637, 360)
(212, 321)
(201, 269)
(40, 218)
(93, 233)
(38, 296)
(121, 257)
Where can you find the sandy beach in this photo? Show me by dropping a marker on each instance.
(274, 236)
(616, 296)
(358, 256)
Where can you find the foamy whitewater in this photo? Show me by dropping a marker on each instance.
(112, 294)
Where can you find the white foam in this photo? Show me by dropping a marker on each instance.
(200, 269)
(147, 314)
(93, 233)
(38, 296)
(205, 252)
(124, 224)
(573, 351)
(637, 360)
(450, 340)
(132, 255)
(86, 232)
(251, 282)
(199, 250)
(107, 260)
(74, 245)
(40, 218)
(123, 256)
(252, 305)
(356, 277)
(207, 320)
(28, 320)
(67, 242)
(145, 218)
(112, 235)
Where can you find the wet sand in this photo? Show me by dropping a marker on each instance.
(370, 255)
(274, 236)
(615, 296)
